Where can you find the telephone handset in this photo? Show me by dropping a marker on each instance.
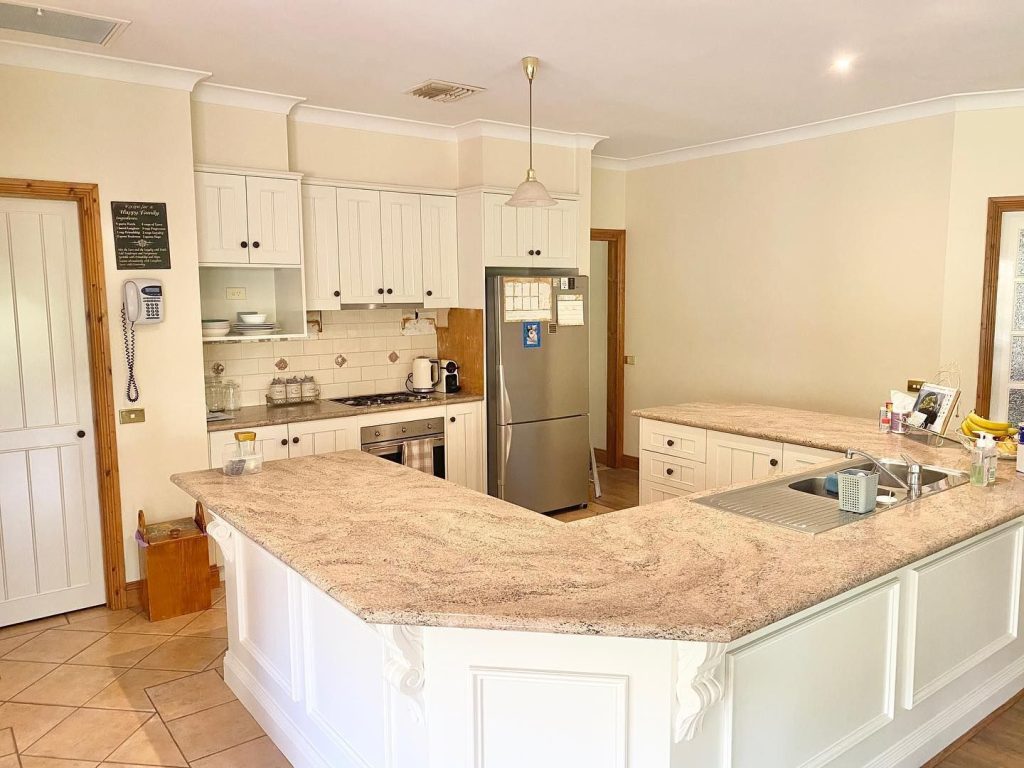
(142, 304)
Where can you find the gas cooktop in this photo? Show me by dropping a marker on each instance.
(387, 398)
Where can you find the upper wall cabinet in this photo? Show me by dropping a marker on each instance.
(248, 219)
(530, 237)
(368, 247)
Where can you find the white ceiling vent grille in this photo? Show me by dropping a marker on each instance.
(51, 22)
(439, 90)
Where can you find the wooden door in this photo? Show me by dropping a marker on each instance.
(440, 252)
(320, 238)
(50, 539)
(273, 214)
(501, 247)
(222, 218)
(401, 248)
(359, 254)
(734, 458)
(464, 448)
(560, 251)
(312, 438)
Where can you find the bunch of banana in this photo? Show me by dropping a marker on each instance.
(998, 429)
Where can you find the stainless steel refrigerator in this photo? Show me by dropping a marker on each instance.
(538, 433)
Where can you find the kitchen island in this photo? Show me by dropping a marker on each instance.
(378, 616)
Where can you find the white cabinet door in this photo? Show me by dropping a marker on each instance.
(359, 254)
(800, 456)
(221, 218)
(275, 236)
(440, 252)
(320, 239)
(312, 438)
(272, 442)
(532, 234)
(401, 248)
(500, 234)
(733, 458)
(464, 446)
(561, 229)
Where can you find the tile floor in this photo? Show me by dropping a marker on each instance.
(112, 689)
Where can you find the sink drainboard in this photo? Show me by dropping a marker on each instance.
(783, 506)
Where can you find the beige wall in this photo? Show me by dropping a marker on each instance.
(135, 142)
(608, 199)
(246, 138)
(809, 274)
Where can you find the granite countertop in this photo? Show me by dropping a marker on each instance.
(253, 416)
(395, 546)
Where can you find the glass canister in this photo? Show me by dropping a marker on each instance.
(232, 396)
(215, 394)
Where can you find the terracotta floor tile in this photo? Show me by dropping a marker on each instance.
(7, 741)
(190, 694)
(150, 745)
(98, 621)
(10, 761)
(129, 690)
(211, 623)
(88, 613)
(16, 676)
(54, 645)
(143, 626)
(31, 761)
(30, 721)
(116, 650)
(217, 664)
(9, 644)
(260, 753)
(32, 626)
(214, 730)
(69, 685)
(88, 734)
(217, 595)
(187, 654)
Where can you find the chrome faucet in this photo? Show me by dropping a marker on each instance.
(913, 487)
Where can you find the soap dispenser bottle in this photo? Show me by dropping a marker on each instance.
(983, 460)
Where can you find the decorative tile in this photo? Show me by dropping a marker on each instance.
(54, 645)
(129, 690)
(260, 753)
(340, 360)
(88, 734)
(214, 730)
(190, 695)
(150, 745)
(393, 357)
(281, 364)
(217, 369)
(30, 721)
(69, 685)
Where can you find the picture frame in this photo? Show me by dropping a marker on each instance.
(934, 407)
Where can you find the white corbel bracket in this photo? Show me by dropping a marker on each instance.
(699, 686)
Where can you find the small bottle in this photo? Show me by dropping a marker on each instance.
(883, 419)
(983, 461)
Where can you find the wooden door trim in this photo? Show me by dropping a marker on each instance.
(86, 198)
(615, 401)
(997, 206)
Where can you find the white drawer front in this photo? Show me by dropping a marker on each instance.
(681, 474)
(673, 440)
(651, 492)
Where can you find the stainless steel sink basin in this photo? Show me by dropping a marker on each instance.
(802, 503)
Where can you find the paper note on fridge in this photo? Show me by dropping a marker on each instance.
(570, 309)
(527, 298)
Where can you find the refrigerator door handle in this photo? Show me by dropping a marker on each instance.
(506, 446)
(504, 414)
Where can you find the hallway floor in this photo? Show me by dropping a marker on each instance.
(110, 688)
(620, 489)
(1000, 744)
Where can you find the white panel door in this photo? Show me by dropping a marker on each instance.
(312, 438)
(561, 249)
(359, 254)
(222, 218)
(401, 248)
(320, 240)
(734, 458)
(440, 252)
(275, 236)
(50, 545)
(464, 446)
(501, 234)
(532, 234)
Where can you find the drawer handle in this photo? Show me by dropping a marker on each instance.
(670, 443)
(669, 471)
(774, 462)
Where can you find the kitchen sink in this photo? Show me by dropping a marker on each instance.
(803, 503)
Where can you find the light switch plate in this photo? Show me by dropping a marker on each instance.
(132, 415)
(629, 360)
(234, 293)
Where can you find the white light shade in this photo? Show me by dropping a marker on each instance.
(530, 194)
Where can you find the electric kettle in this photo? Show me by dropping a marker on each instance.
(426, 373)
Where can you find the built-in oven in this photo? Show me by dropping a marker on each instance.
(395, 442)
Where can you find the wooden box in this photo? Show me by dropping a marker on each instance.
(174, 565)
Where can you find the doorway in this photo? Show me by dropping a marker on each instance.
(607, 343)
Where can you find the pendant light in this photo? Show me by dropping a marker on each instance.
(531, 193)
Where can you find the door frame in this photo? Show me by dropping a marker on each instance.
(87, 199)
(612, 456)
(997, 206)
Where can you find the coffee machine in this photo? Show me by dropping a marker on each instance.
(449, 382)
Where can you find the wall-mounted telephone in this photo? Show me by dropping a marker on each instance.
(142, 303)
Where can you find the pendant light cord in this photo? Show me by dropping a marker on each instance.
(531, 123)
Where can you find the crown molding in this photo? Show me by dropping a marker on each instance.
(96, 65)
(942, 105)
(609, 163)
(233, 96)
(493, 129)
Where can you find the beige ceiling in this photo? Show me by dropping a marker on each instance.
(652, 75)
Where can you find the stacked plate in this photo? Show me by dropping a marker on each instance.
(214, 328)
(253, 329)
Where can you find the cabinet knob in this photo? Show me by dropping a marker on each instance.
(774, 462)
(244, 244)
(337, 294)
(451, 419)
(380, 290)
(430, 293)
(295, 440)
(531, 252)
(670, 443)
(390, 291)
(284, 441)
(256, 244)
(80, 433)
(670, 471)
(538, 252)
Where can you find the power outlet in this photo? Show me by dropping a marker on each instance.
(234, 294)
(914, 385)
(132, 415)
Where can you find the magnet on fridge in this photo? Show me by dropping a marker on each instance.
(565, 283)
(531, 335)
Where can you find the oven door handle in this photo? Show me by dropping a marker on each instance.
(389, 447)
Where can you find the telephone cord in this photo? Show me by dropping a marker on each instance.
(132, 388)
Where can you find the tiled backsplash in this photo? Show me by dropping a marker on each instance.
(360, 352)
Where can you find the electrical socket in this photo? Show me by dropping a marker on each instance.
(132, 415)
(234, 293)
(914, 385)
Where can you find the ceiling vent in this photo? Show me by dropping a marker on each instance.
(51, 22)
(439, 90)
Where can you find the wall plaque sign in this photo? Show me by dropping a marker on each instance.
(140, 235)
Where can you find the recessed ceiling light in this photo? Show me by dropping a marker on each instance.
(842, 64)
